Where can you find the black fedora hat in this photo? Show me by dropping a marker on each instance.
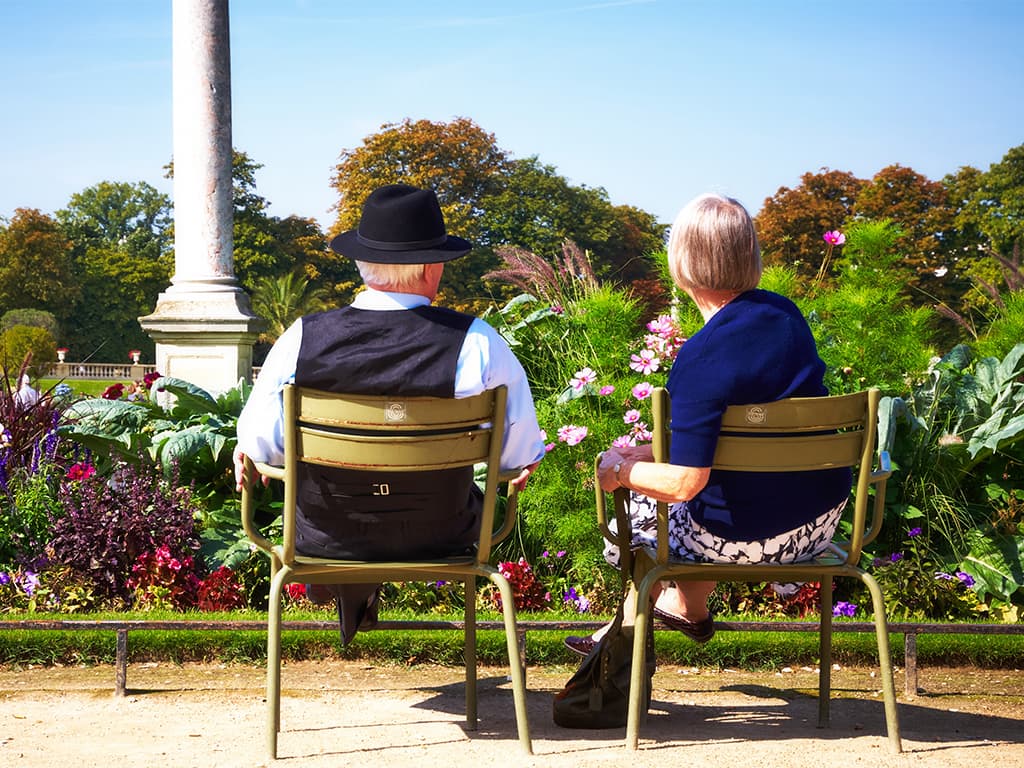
(400, 225)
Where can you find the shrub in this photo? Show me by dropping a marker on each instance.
(109, 523)
(26, 343)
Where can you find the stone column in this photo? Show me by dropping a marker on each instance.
(203, 326)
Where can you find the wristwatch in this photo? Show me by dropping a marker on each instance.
(615, 471)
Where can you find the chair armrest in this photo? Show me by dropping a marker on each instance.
(251, 469)
(878, 479)
(509, 519)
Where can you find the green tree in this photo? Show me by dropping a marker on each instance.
(283, 300)
(122, 246)
(997, 205)
(35, 318)
(135, 218)
(36, 267)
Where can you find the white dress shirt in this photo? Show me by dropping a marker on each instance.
(485, 362)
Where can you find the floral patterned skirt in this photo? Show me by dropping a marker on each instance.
(689, 540)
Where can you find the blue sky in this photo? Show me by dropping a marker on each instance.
(654, 100)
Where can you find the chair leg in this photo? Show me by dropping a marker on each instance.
(508, 607)
(884, 662)
(470, 652)
(638, 674)
(825, 652)
(274, 661)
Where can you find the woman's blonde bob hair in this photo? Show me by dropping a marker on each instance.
(713, 246)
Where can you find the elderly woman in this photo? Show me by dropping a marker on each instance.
(755, 346)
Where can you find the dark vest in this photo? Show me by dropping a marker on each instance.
(403, 352)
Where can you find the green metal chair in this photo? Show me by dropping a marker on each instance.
(788, 435)
(393, 434)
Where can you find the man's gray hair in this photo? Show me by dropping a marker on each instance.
(394, 277)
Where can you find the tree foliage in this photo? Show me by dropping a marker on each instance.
(34, 318)
(997, 205)
(792, 221)
(280, 301)
(21, 342)
(122, 250)
(36, 268)
(493, 200)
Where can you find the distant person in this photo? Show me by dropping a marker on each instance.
(754, 347)
(391, 340)
(26, 396)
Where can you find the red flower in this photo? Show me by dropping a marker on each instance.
(113, 392)
(149, 378)
(295, 591)
(80, 471)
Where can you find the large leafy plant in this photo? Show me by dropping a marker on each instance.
(957, 442)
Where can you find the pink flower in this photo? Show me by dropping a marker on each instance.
(607, 389)
(549, 447)
(642, 390)
(663, 325)
(631, 416)
(640, 432)
(835, 237)
(646, 362)
(572, 434)
(582, 378)
(623, 441)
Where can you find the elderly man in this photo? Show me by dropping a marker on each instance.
(390, 340)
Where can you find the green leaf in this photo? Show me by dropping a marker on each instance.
(188, 396)
(996, 563)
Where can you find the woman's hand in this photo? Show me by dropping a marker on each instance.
(606, 469)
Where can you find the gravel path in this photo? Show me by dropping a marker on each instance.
(334, 712)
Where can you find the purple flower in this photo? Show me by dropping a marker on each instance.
(965, 578)
(943, 576)
(913, 533)
(843, 608)
(560, 553)
(29, 583)
(544, 555)
(4, 578)
(895, 557)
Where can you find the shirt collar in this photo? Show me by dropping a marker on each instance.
(388, 300)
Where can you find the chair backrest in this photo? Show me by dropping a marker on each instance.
(797, 434)
(393, 434)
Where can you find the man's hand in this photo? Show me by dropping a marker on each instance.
(520, 482)
(239, 459)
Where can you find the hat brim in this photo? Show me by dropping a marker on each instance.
(347, 244)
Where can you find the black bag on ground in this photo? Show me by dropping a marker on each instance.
(597, 695)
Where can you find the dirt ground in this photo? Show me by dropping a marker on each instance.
(212, 716)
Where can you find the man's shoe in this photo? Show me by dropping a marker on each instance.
(320, 594)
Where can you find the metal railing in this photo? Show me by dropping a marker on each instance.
(910, 632)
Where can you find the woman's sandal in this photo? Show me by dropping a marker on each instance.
(580, 644)
(698, 631)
